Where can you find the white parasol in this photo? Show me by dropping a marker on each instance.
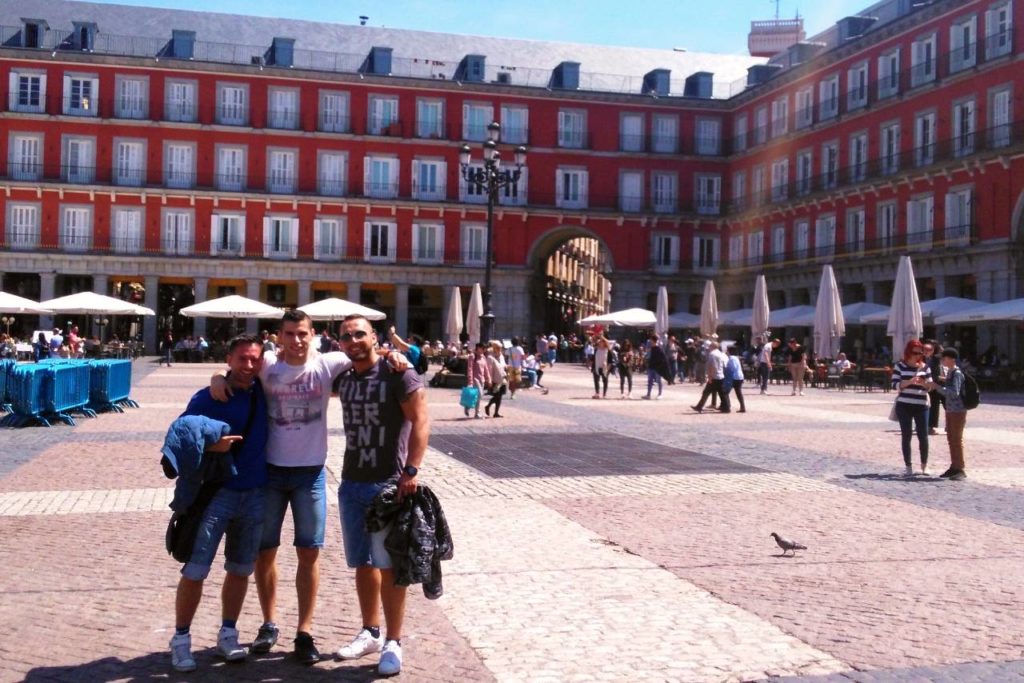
(474, 310)
(829, 324)
(905, 320)
(709, 310)
(453, 323)
(761, 311)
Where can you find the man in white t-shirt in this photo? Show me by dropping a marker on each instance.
(515, 374)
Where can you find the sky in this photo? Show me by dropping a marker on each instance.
(712, 26)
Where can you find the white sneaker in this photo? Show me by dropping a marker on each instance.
(908, 471)
(363, 644)
(924, 469)
(181, 652)
(390, 659)
(227, 645)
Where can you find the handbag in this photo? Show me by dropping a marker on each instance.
(470, 397)
(892, 413)
(182, 529)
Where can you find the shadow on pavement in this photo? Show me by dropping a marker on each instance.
(890, 476)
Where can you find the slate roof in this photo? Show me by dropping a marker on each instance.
(344, 47)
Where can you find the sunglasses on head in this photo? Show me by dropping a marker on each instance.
(349, 336)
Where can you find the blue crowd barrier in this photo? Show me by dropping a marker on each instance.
(43, 392)
(110, 385)
(6, 367)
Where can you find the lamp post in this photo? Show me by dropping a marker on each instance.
(7, 320)
(490, 179)
(102, 322)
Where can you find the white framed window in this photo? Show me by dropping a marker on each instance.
(571, 188)
(760, 125)
(383, 114)
(514, 194)
(572, 128)
(804, 108)
(804, 171)
(959, 217)
(780, 180)
(709, 136)
(858, 157)
(963, 128)
(665, 252)
(79, 165)
(25, 156)
(631, 191)
(429, 179)
(855, 234)
(281, 170)
(280, 237)
(231, 168)
(664, 191)
(126, 235)
(857, 86)
(81, 95)
(755, 247)
(427, 243)
(27, 91)
(227, 234)
(706, 252)
(429, 118)
(471, 192)
(179, 165)
(757, 186)
(780, 116)
(75, 228)
(329, 238)
(825, 236)
(333, 114)
(380, 241)
(963, 44)
(474, 244)
(131, 99)
(889, 74)
(232, 104)
(890, 151)
(923, 58)
(739, 190)
(283, 108)
(476, 116)
(736, 250)
(739, 133)
(998, 31)
(886, 217)
(778, 242)
(129, 162)
(515, 124)
(801, 239)
(924, 138)
(22, 226)
(828, 98)
(999, 118)
(665, 133)
(180, 101)
(380, 177)
(920, 217)
(631, 132)
(178, 237)
(331, 173)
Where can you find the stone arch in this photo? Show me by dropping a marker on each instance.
(553, 238)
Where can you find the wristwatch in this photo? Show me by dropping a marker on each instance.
(410, 470)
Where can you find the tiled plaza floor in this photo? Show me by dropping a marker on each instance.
(613, 540)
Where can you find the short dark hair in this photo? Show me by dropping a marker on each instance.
(950, 352)
(243, 340)
(294, 315)
(733, 350)
(354, 316)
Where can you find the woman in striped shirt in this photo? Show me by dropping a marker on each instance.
(912, 378)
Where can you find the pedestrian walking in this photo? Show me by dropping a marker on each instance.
(764, 362)
(499, 379)
(716, 363)
(956, 414)
(627, 356)
(478, 374)
(657, 366)
(796, 357)
(734, 371)
(602, 353)
(912, 378)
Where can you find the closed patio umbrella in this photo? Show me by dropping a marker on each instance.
(829, 325)
(761, 310)
(709, 310)
(474, 310)
(453, 321)
(905, 320)
(661, 321)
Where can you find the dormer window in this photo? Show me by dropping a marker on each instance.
(32, 31)
(83, 36)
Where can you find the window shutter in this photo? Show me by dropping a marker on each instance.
(415, 177)
(214, 234)
(293, 238)
(393, 176)
(584, 187)
(317, 227)
(367, 240)
(367, 188)
(66, 107)
(442, 179)
(266, 237)
(12, 89)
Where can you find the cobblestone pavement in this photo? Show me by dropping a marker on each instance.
(617, 540)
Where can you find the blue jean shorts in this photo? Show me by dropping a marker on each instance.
(305, 489)
(237, 515)
(362, 548)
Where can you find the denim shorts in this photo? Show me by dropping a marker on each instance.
(239, 516)
(305, 488)
(362, 548)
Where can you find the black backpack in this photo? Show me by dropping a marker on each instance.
(422, 363)
(969, 393)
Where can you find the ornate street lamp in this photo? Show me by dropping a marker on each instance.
(490, 179)
(7, 320)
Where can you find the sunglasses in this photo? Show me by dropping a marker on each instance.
(357, 335)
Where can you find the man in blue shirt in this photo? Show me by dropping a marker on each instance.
(236, 509)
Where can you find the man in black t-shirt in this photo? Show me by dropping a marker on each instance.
(386, 432)
(796, 356)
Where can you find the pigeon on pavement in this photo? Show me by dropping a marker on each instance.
(787, 544)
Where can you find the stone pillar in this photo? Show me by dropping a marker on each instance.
(305, 292)
(352, 291)
(150, 322)
(252, 290)
(199, 287)
(101, 285)
(47, 283)
(402, 310)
